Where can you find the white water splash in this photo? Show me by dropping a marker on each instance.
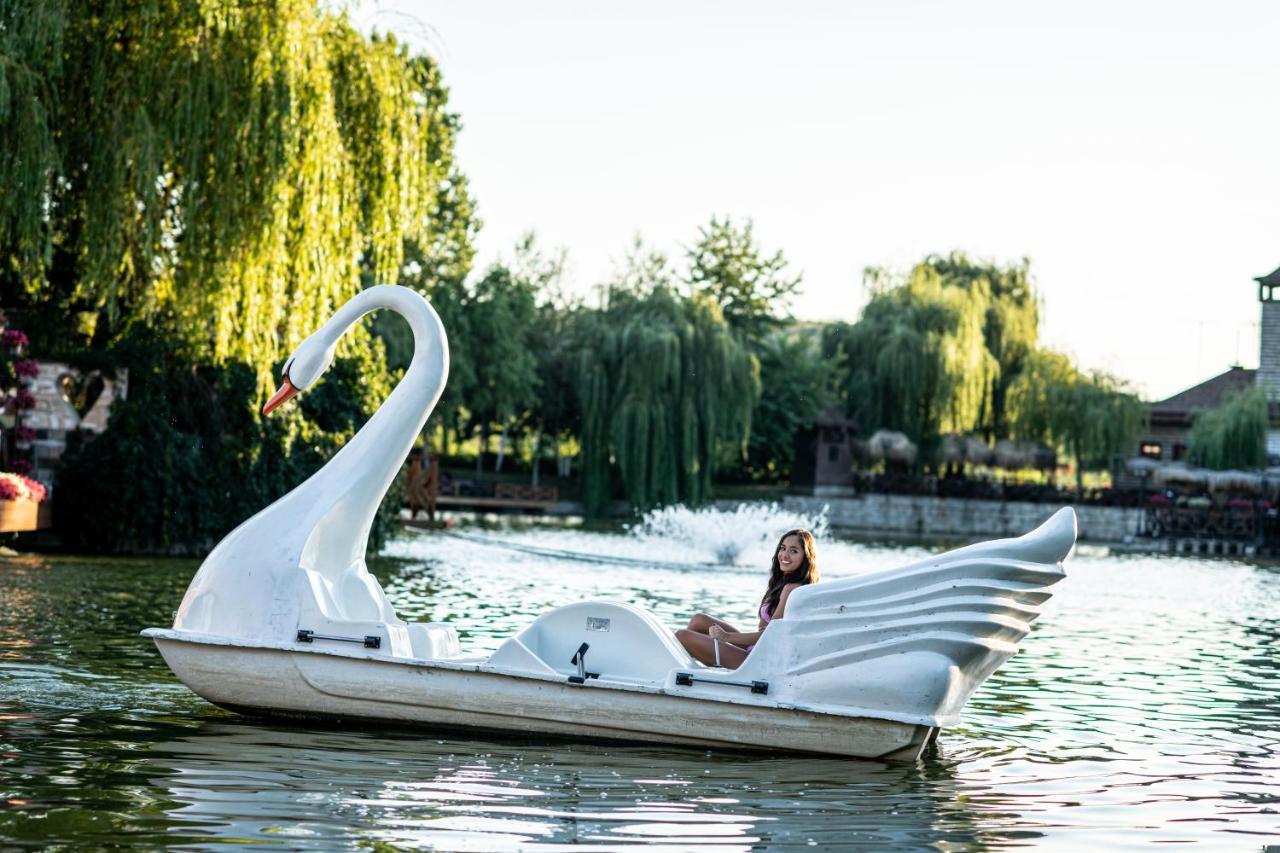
(723, 536)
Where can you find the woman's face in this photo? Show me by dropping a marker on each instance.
(790, 554)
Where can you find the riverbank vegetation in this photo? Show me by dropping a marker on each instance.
(189, 190)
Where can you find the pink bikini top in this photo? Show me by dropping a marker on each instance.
(764, 614)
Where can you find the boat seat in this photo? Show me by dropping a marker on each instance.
(624, 643)
(433, 640)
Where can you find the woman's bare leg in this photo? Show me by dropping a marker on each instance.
(701, 623)
(702, 648)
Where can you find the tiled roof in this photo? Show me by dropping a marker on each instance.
(1206, 395)
(1271, 278)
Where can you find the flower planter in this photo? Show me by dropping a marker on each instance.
(16, 516)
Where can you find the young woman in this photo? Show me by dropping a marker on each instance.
(795, 563)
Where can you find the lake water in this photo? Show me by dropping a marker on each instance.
(1143, 708)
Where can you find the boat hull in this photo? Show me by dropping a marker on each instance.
(274, 681)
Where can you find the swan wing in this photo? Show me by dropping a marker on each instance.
(913, 643)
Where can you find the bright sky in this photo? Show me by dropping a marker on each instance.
(1130, 150)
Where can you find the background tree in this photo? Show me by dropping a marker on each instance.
(1093, 417)
(556, 415)
(501, 318)
(217, 169)
(1233, 435)
(917, 358)
(663, 381)
(189, 190)
(452, 301)
(797, 383)
(753, 290)
(438, 269)
(1010, 327)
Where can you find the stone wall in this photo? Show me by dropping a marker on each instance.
(925, 517)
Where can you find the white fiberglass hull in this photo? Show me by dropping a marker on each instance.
(279, 681)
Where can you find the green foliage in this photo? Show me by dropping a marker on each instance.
(751, 289)
(937, 351)
(214, 168)
(498, 339)
(797, 384)
(553, 336)
(1010, 327)
(1093, 417)
(662, 382)
(500, 324)
(187, 456)
(451, 299)
(917, 358)
(188, 189)
(437, 263)
(1233, 435)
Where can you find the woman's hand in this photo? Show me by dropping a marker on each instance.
(716, 632)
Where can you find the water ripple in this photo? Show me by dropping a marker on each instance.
(1141, 709)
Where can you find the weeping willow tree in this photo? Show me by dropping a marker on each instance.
(662, 381)
(221, 168)
(1093, 417)
(188, 188)
(1233, 435)
(917, 358)
(1010, 325)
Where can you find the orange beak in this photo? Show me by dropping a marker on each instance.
(285, 392)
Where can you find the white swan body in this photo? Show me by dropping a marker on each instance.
(284, 618)
(300, 562)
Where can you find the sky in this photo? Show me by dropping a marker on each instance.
(1128, 149)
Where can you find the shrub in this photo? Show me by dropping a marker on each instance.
(187, 457)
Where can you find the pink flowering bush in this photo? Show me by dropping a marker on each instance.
(15, 487)
(27, 368)
(24, 400)
(14, 338)
(24, 434)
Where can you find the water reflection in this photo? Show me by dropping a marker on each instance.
(238, 782)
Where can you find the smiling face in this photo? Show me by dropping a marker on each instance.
(791, 555)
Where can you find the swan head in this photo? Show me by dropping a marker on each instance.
(307, 364)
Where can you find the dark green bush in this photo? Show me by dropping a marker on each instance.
(187, 455)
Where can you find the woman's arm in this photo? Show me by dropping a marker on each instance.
(738, 638)
(746, 638)
(782, 599)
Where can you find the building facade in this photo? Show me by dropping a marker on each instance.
(1169, 433)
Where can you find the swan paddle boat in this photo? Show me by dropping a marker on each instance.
(284, 619)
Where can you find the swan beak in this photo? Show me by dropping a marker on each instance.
(285, 392)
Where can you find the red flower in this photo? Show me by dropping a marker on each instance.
(27, 368)
(24, 434)
(14, 338)
(23, 400)
(36, 489)
(15, 487)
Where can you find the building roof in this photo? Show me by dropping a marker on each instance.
(1206, 395)
(832, 416)
(1272, 278)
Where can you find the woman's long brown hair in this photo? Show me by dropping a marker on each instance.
(806, 574)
